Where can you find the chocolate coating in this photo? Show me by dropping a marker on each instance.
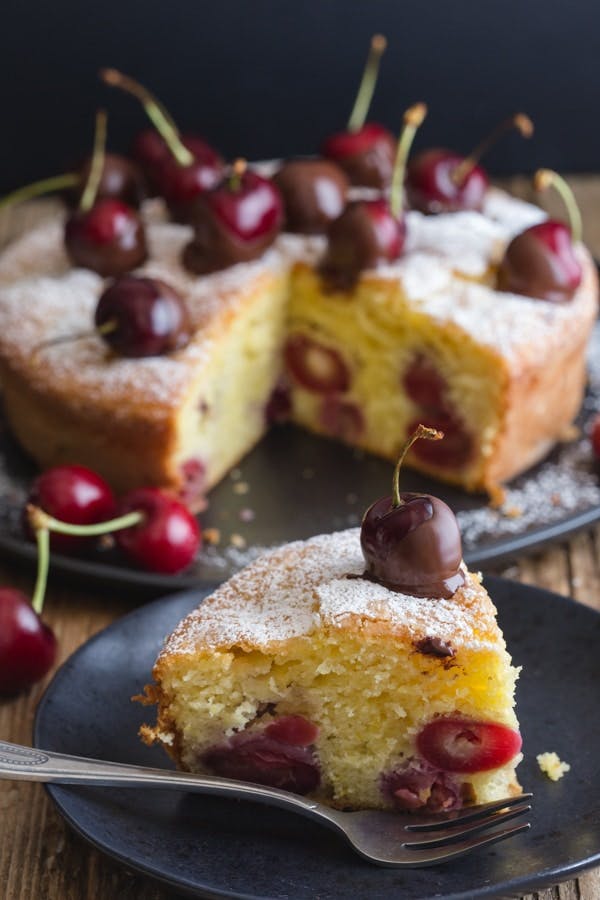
(367, 155)
(365, 235)
(414, 548)
(121, 179)
(540, 263)
(149, 316)
(314, 193)
(108, 239)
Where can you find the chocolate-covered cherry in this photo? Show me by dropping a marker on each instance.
(365, 150)
(182, 174)
(108, 238)
(371, 232)
(314, 193)
(139, 317)
(459, 744)
(167, 536)
(27, 644)
(540, 262)
(120, 179)
(411, 542)
(72, 494)
(441, 181)
(235, 222)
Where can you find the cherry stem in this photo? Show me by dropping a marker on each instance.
(237, 173)
(421, 431)
(38, 188)
(520, 121)
(155, 111)
(106, 328)
(42, 536)
(367, 83)
(413, 118)
(40, 520)
(88, 198)
(545, 178)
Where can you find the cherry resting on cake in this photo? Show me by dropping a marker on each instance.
(540, 262)
(314, 193)
(151, 527)
(441, 181)
(106, 236)
(370, 232)
(120, 179)
(188, 169)
(365, 150)
(234, 222)
(411, 542)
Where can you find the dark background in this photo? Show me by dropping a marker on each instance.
(264, 78)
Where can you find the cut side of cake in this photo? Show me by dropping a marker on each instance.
(300, 673)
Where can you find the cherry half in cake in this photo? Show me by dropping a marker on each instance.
(411, 542)
(187, 169)
(371, 232)
(104, 235)
(365, 150)
(441, 181)
(234, 222)
(540, 262)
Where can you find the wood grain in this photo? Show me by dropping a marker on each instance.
(40, 857)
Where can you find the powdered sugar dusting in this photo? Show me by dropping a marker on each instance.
(291, 591)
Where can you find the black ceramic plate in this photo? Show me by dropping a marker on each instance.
(211, 847)
(294, 485)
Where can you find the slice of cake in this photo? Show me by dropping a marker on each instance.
(305, 672)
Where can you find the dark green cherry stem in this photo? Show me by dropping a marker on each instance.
(90, 192)
(520, 121)
(545, 178)
(413, 118)
(367, 84)
(154, 110)
(421, 431)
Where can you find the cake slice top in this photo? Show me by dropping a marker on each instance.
(293, 590)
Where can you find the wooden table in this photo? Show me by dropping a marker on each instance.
(40, 857)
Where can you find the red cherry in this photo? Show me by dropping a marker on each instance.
(295, 730)
(121, 180)
(27, 645)
(235, 222)
(456, 744)
(424, 384)
(366, 155)
(181, 184)
(431, 187)
(75, 495)
(108, 238)
(540, 262)
(341, 419)
(150, 150)
(457, 448)
(168, 537)
(595, 436)
(315, 367)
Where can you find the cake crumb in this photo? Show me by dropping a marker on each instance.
(246, 514)
(211, 535)
(552, 766)
(513, 512)
(241, 487)
(236, 540)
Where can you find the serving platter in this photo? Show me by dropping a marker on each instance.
(208, 847)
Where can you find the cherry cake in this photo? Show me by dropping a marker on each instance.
(306, 672)
(356, 356)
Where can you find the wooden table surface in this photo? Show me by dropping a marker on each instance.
(40, 857)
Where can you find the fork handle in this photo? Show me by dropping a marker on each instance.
(21, 763)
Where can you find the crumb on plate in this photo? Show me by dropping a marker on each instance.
(552, 766)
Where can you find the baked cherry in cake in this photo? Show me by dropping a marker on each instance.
(187, 169)
(140, 317)
(235, 222)
(314, 193)
(371, 232)
(365, 150)
(439, 180)
(411, 542)
(540, 262)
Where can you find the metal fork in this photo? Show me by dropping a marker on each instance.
(385, 838)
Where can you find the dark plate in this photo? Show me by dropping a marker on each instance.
(216, 848)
